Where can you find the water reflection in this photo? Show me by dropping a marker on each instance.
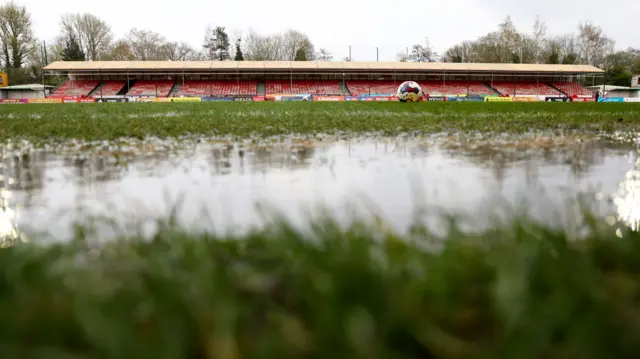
(627, 197)
(224, 180)
(10, 234)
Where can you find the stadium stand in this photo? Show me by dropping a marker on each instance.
(109, 88)
(151, 88)
(572, 89)
(436, 88)
(358, 88)
(217, 88)
(77, 88)
(525, 89)
(323, 87)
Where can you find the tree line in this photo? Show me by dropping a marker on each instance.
(589, 45)
(85, 37)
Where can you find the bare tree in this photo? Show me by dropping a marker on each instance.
(289, 46)
(297, 46)
(462, 52)
(146, 45)
(323, 55)
(93, 34)
(422, 53)
(594, 45)
(175, 51)
(17, 38)
(120, 51)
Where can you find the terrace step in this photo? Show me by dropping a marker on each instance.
(176, 88)
(95, 91)
(261, 89)
(491, 88)
(557, 89)
(345, 89)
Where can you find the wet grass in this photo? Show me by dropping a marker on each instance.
(519, 290)
(112, 121)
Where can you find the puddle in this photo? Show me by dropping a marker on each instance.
(215, 184)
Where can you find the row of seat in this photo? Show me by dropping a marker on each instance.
(86, 88)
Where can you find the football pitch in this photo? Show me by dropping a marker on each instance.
(116, 120)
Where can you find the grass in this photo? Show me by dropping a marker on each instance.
(518, 290)
(112, 121)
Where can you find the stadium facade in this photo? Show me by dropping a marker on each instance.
(331, 81)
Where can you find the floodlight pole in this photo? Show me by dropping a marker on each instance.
(377, 54)
(349, 52)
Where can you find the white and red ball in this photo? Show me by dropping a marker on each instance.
(409, 91)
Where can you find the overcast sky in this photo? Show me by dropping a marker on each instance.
(336, 24)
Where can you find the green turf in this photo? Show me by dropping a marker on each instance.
(515, 291)
(110, 121)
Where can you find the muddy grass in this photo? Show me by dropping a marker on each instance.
(111, 121)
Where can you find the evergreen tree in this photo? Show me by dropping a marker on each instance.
(217, 44)
(72, 50)
(239, 55)
(301, 55)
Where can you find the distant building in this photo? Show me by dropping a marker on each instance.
(24, 91)
(4, 79)
(616, 91)
(635, 81)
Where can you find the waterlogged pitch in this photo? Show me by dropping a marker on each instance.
(111, 121)
(320, 230)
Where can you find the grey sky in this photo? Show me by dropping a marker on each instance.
(336, 24)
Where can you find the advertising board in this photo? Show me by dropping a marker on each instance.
(437, 98)
(243, 98)
(45, 100)
(327, 98)
(555, 99)
(498, 99)
(141, 99)
(467, 99)
(583, 99)
(112, 99)
(15, 101)
(212, 99)
(611, 99)
(632, 99)
(78, 100)
(293, 98)
(185, 99)
(526, 99)
(258, 99)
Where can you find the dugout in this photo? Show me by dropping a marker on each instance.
(25, 91)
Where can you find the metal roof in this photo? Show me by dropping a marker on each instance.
(83, 66)
(612, 88)
(30, 87)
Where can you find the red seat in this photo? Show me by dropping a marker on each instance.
(448, 88)
(358, 88)
(300, 87)
(572, 89)
(524, 89)
(109, 88)
(77, 88)
(151, 88)
(195, 88)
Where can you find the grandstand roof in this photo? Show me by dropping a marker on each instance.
(95, 66)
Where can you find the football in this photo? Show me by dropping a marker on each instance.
(409, 91)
